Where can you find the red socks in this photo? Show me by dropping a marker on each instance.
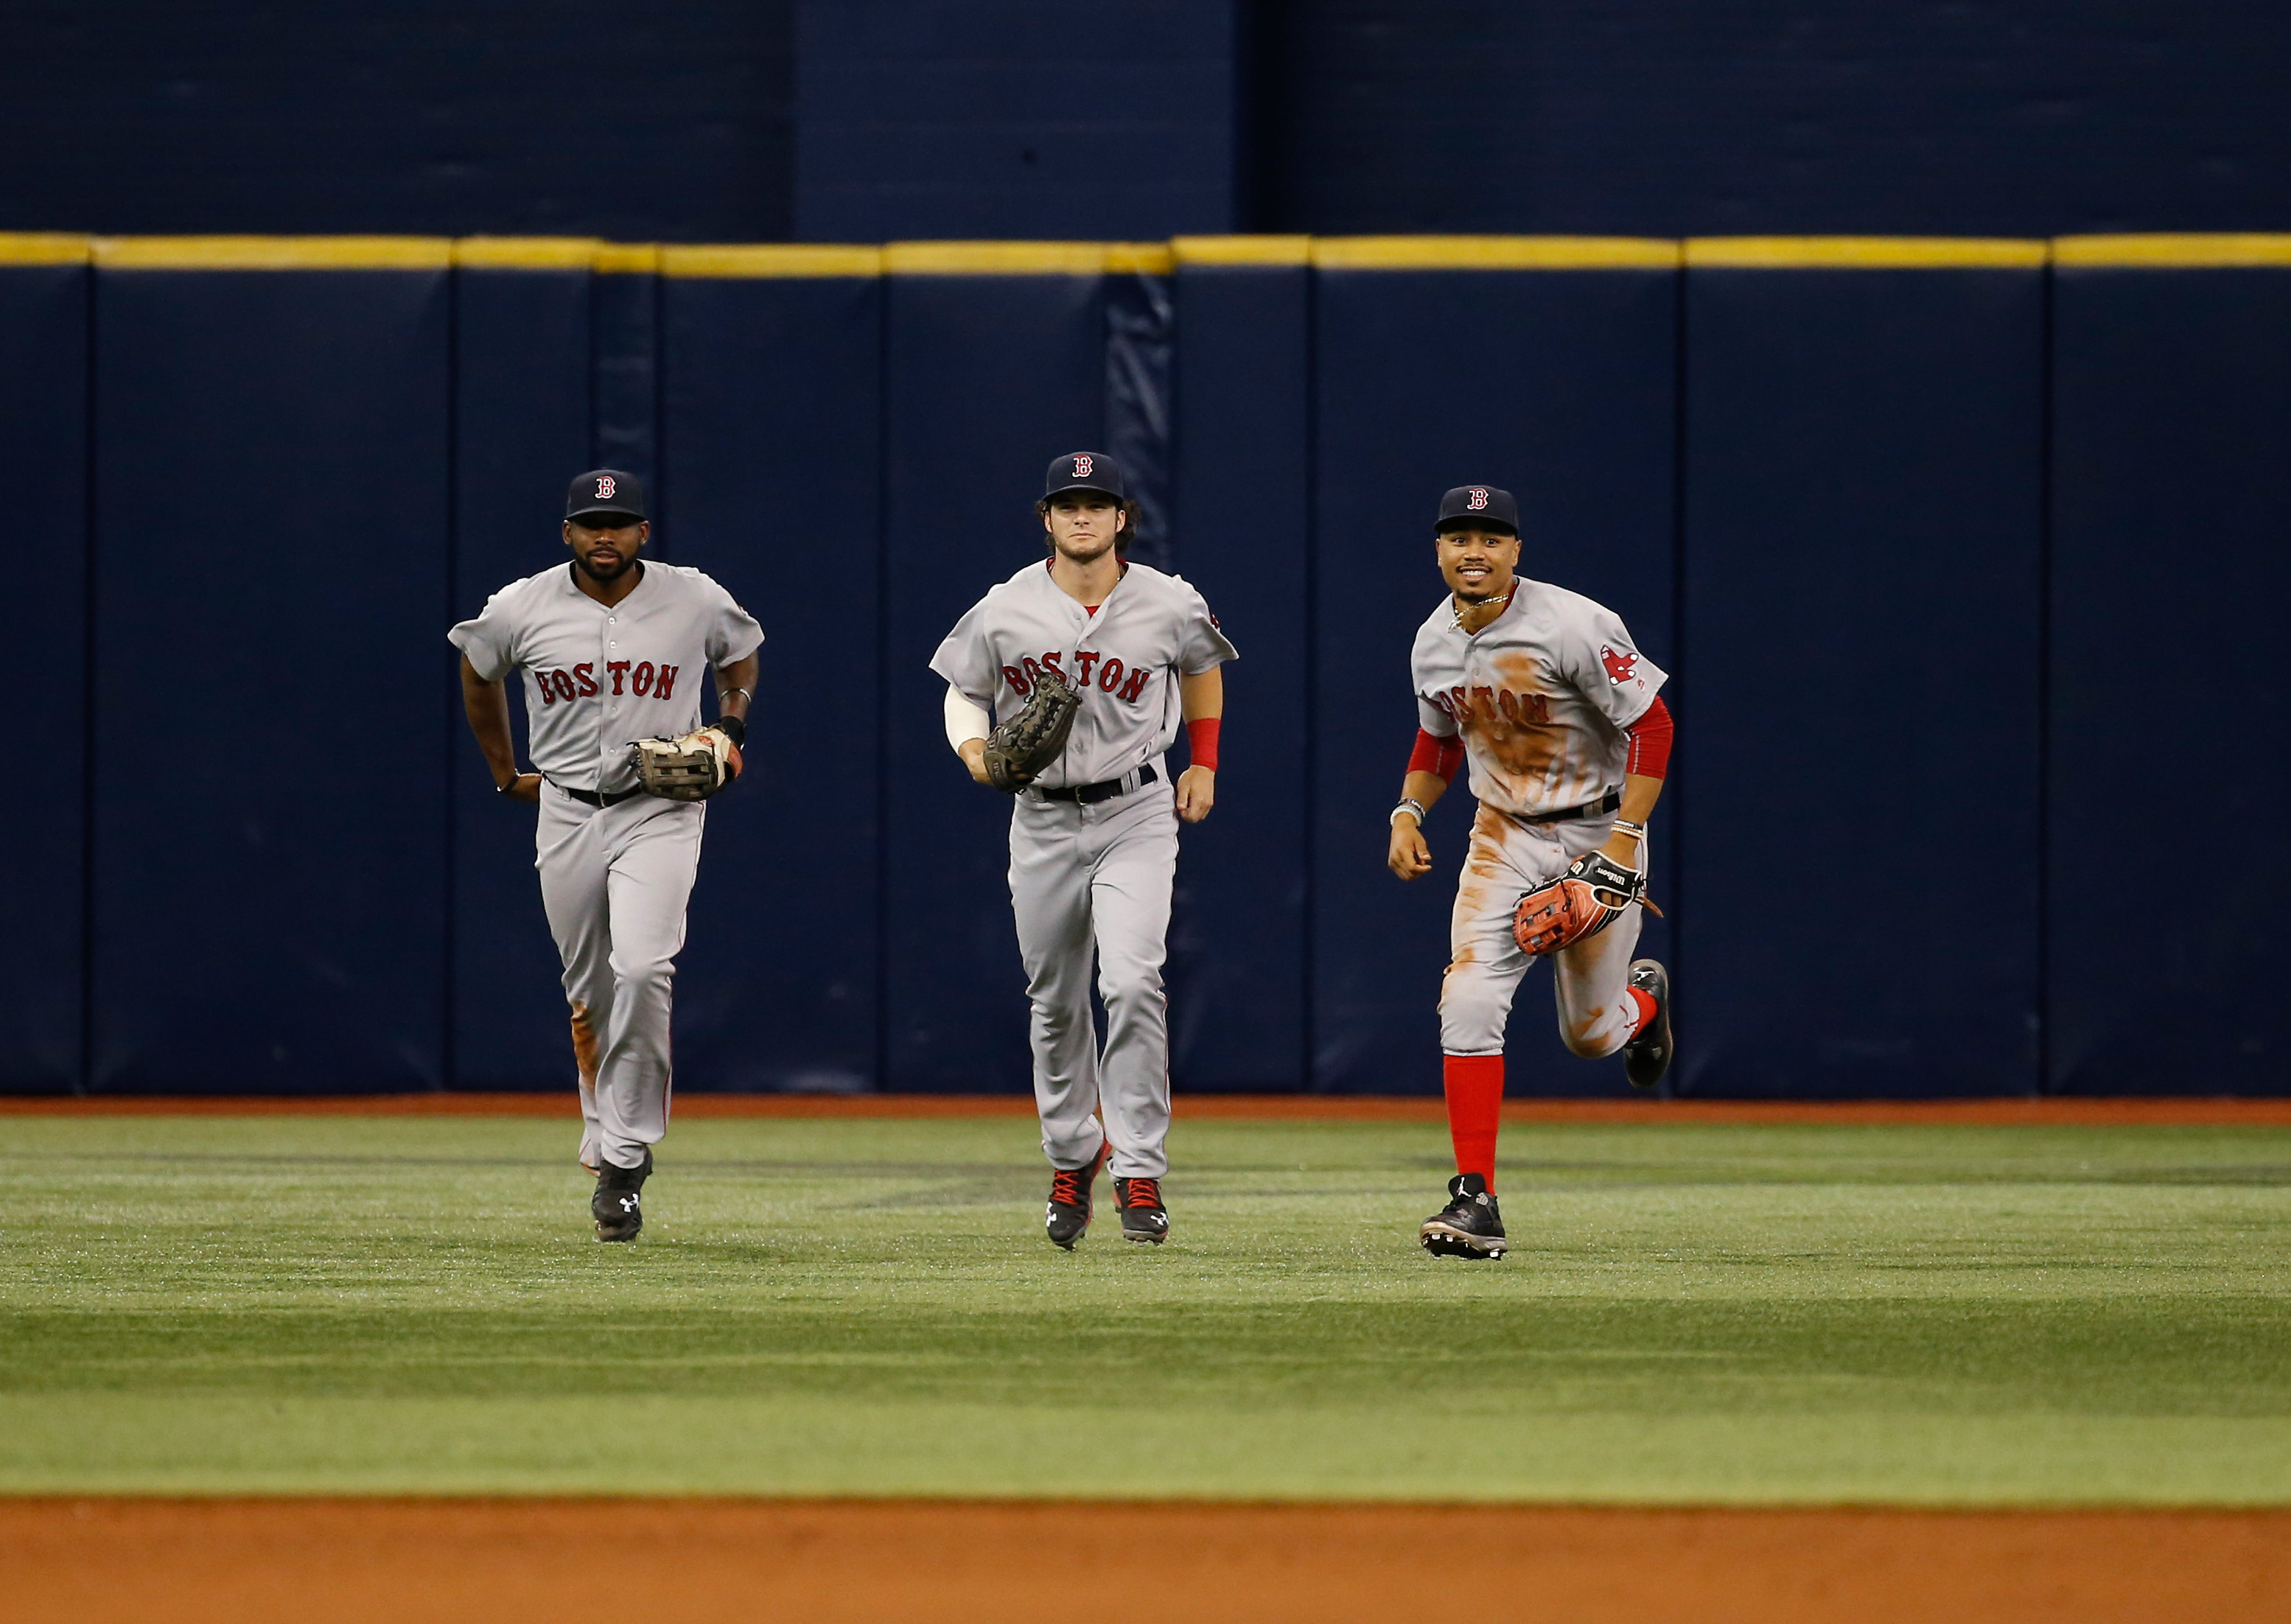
(1474, 1085)
(1646, 1002)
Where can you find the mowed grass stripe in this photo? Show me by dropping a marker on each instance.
(1702, 1312)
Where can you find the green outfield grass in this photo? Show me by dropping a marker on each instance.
(1988, 1315)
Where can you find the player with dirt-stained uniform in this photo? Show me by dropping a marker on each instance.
(615, 650)
(1561, 717)
(1094, 835)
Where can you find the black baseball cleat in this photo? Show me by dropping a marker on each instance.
(618, 1204)
(1068, 1214)
(1647, 1057)
(1469, 1225)
(1143, 1217)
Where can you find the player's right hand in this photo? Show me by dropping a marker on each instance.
(1410, 857)
(525, 788)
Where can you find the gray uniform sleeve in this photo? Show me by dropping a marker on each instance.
(1432, 720)
(1599, 659)
(1201, 642)
(966, 659)
(733, 633)
(489, 641)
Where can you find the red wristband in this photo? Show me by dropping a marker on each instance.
(1201, 739)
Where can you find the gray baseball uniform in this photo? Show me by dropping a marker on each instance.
(1541, 695)
(1097, 873)
(613, 878)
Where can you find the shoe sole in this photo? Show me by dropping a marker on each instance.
(618, 1234)
(1068, 1244)
(1144, 1237)
(1443, 1241)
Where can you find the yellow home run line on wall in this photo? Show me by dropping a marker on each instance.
(44, 248)
(1241, 250)
(1494, 253)
(526, 253)
(2162, 251)
(2219, 249)
(732, 261)
(1864, 252)
(274, 252)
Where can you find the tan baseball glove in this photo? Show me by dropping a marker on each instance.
(1589, 896)
(688, 768)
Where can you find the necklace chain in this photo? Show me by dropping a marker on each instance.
(1456, 607)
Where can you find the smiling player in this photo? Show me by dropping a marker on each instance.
(1557, 711)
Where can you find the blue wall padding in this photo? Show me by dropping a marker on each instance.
(987, 379)
(2170, 706)
(772, 437)
(1863, 635)
(1237, 957)
(43, 425)
(521, 430)
(271, 576)
(1556, 385)
(625, 308)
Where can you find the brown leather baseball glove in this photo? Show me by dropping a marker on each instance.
(1583, 902)
(692, 767)
(1020, 747)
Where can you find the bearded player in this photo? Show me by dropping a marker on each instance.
(1094, 829)
(1542, 691)
(615, 651)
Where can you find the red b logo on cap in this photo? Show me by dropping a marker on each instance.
(605, 486)
(1082, 466)
(1478, 499)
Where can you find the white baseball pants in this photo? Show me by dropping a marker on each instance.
(1509, 859)
(614, 881)
(1098, 877)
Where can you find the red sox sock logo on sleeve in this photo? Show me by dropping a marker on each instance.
(1620, 667)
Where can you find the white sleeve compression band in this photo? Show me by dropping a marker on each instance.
(965, 721)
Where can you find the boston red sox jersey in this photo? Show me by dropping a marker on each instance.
(1120, 660)
(599, 677)
(1541, 695)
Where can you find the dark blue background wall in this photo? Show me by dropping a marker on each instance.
(866, 120)
(1963, 561)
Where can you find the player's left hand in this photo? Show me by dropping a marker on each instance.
(1197, 793)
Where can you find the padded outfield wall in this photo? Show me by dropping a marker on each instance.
(1963, 555)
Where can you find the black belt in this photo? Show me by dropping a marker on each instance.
(1089, 794)
(591, 798)
(1611, 801)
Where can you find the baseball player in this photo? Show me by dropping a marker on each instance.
(1559, 713)
(613, 649)
(1094, 829)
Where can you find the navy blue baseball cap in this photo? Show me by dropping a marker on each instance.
(1478, 505)
(605, 490)
(1084, 471)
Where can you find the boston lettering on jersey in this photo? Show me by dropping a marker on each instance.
(1462, 704)
(641, 679)
(1112, 677)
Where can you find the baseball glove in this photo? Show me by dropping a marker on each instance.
(1024, 744)
(1583, 902)
(688, 768)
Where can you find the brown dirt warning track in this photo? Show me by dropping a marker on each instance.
(446, 1562)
